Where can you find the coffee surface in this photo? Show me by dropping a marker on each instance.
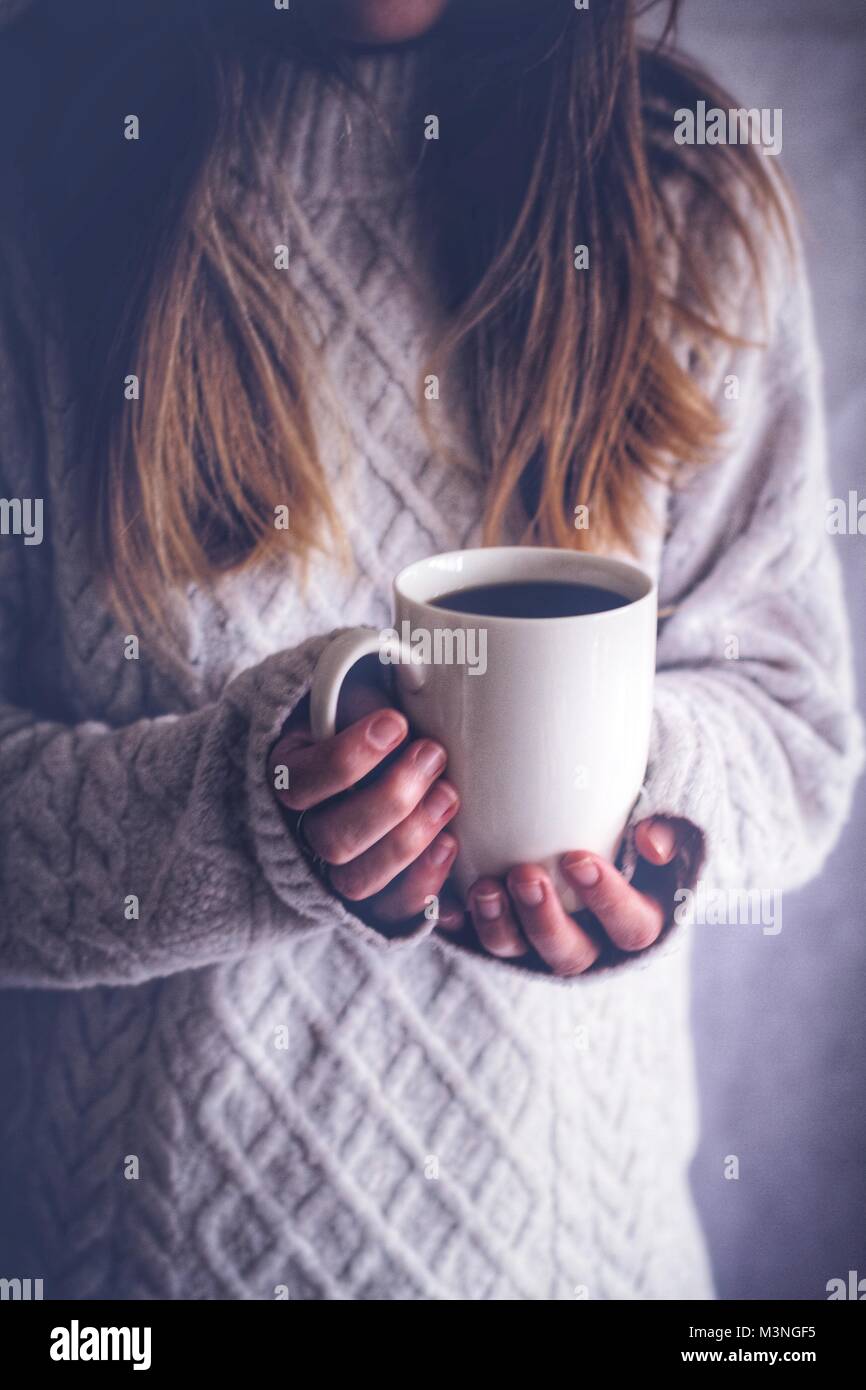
(532, 598)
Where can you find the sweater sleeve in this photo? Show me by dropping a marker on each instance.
(755, 737)
(132, 853)
(129, 853)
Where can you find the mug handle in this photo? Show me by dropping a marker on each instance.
(337, 660)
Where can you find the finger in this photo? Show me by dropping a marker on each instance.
(344, 829)
(494, 921)
(631, 919)
(660, 839)
(321, 770)
(376, 867)
(560, 941)
(418, 887)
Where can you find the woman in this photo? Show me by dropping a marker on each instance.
(321, 266)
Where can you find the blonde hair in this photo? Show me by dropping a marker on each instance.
(574, 387)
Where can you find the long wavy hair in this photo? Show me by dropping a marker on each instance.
(565, 122)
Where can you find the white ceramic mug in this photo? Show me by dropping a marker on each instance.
(546, 721)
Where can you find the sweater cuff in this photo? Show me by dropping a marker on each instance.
(270, 692)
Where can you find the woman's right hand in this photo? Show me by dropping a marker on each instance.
(381, 840)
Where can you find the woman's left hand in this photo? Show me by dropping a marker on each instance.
(523, 914)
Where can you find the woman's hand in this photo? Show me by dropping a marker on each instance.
(524, 915)
(374, 810)
(380, 840)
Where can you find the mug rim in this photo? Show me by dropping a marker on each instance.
(609, 563)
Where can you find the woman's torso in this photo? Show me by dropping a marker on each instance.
(436, 1126)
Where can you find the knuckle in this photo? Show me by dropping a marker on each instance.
(402, 797)
(351, 882)
(331, 841)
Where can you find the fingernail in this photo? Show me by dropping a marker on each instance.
(530, 893)
(431, 757)
(661, 837)
(489, 905)
(385, 731)
(439, 800)
(584, 871)
(442, 849)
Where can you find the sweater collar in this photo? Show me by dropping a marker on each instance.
(347, 143)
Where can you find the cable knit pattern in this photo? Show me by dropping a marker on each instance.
(439, 1125)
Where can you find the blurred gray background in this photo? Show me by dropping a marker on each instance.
(780, 1021)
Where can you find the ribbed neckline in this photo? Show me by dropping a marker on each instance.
(342, 143)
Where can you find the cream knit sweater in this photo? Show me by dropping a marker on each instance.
(438, 1125)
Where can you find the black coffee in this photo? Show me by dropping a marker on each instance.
(531, 598)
